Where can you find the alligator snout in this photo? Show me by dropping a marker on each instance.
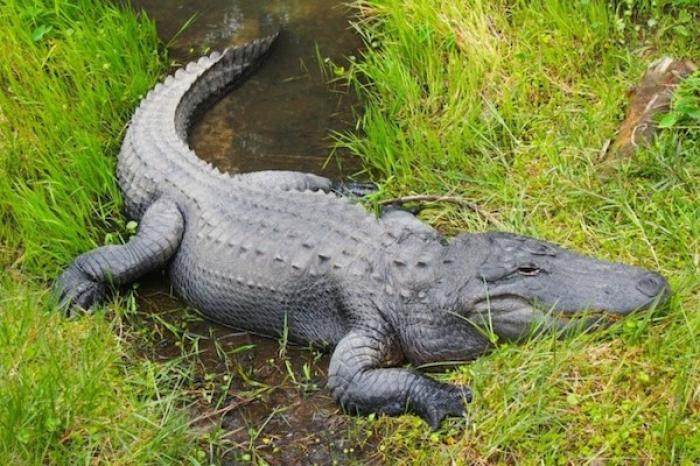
(653, 285)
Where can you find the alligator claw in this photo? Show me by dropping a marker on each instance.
(393, 207)
(447, 401)
(76, 293)
(353, 188)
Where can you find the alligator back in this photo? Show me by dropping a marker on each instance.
(259, 249)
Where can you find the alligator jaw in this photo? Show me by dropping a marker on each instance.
(594, 319)
(515, 318)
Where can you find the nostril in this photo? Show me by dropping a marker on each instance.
(652, 284)
(467, 394)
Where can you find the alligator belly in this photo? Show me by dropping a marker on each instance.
(308, 308)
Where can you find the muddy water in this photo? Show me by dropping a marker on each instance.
(268, 405)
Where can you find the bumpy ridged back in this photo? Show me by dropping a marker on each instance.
(156, 146)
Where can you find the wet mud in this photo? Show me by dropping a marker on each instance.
(265, 401)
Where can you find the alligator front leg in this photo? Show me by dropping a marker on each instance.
(84, 283)
(362, 386)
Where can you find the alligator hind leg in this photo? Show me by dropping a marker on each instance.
(84, 283)
(362, 386)
(299, 181)
(285, 180)
(403, 224)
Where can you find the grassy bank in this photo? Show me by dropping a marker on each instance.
(509, 105)
(71, 72)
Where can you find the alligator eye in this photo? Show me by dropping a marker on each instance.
(528, 270)
(540, 248)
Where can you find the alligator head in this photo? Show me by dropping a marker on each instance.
(523, 284)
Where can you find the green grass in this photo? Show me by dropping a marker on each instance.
(72, 392)
(508, 104)
(72, 72)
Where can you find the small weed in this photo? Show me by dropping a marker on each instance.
(284, 338)
(685, 113)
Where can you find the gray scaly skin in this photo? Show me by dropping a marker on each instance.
(262, 250)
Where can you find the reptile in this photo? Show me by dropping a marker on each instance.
(274, 250)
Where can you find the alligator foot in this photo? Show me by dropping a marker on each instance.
(362, 386)
(387, 209)
(85, 282)
(353, 188)
(437, 400)
(76, 292)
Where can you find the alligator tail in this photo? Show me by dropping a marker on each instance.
(223, 72)
(156, 141)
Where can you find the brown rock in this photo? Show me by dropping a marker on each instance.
(650, 98)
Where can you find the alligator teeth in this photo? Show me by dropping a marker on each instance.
(612, 316)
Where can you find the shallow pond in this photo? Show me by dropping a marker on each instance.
(275, 405)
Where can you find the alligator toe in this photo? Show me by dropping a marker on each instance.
(442, 401)
(75, 293)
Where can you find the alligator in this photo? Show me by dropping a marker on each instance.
(274, 251)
